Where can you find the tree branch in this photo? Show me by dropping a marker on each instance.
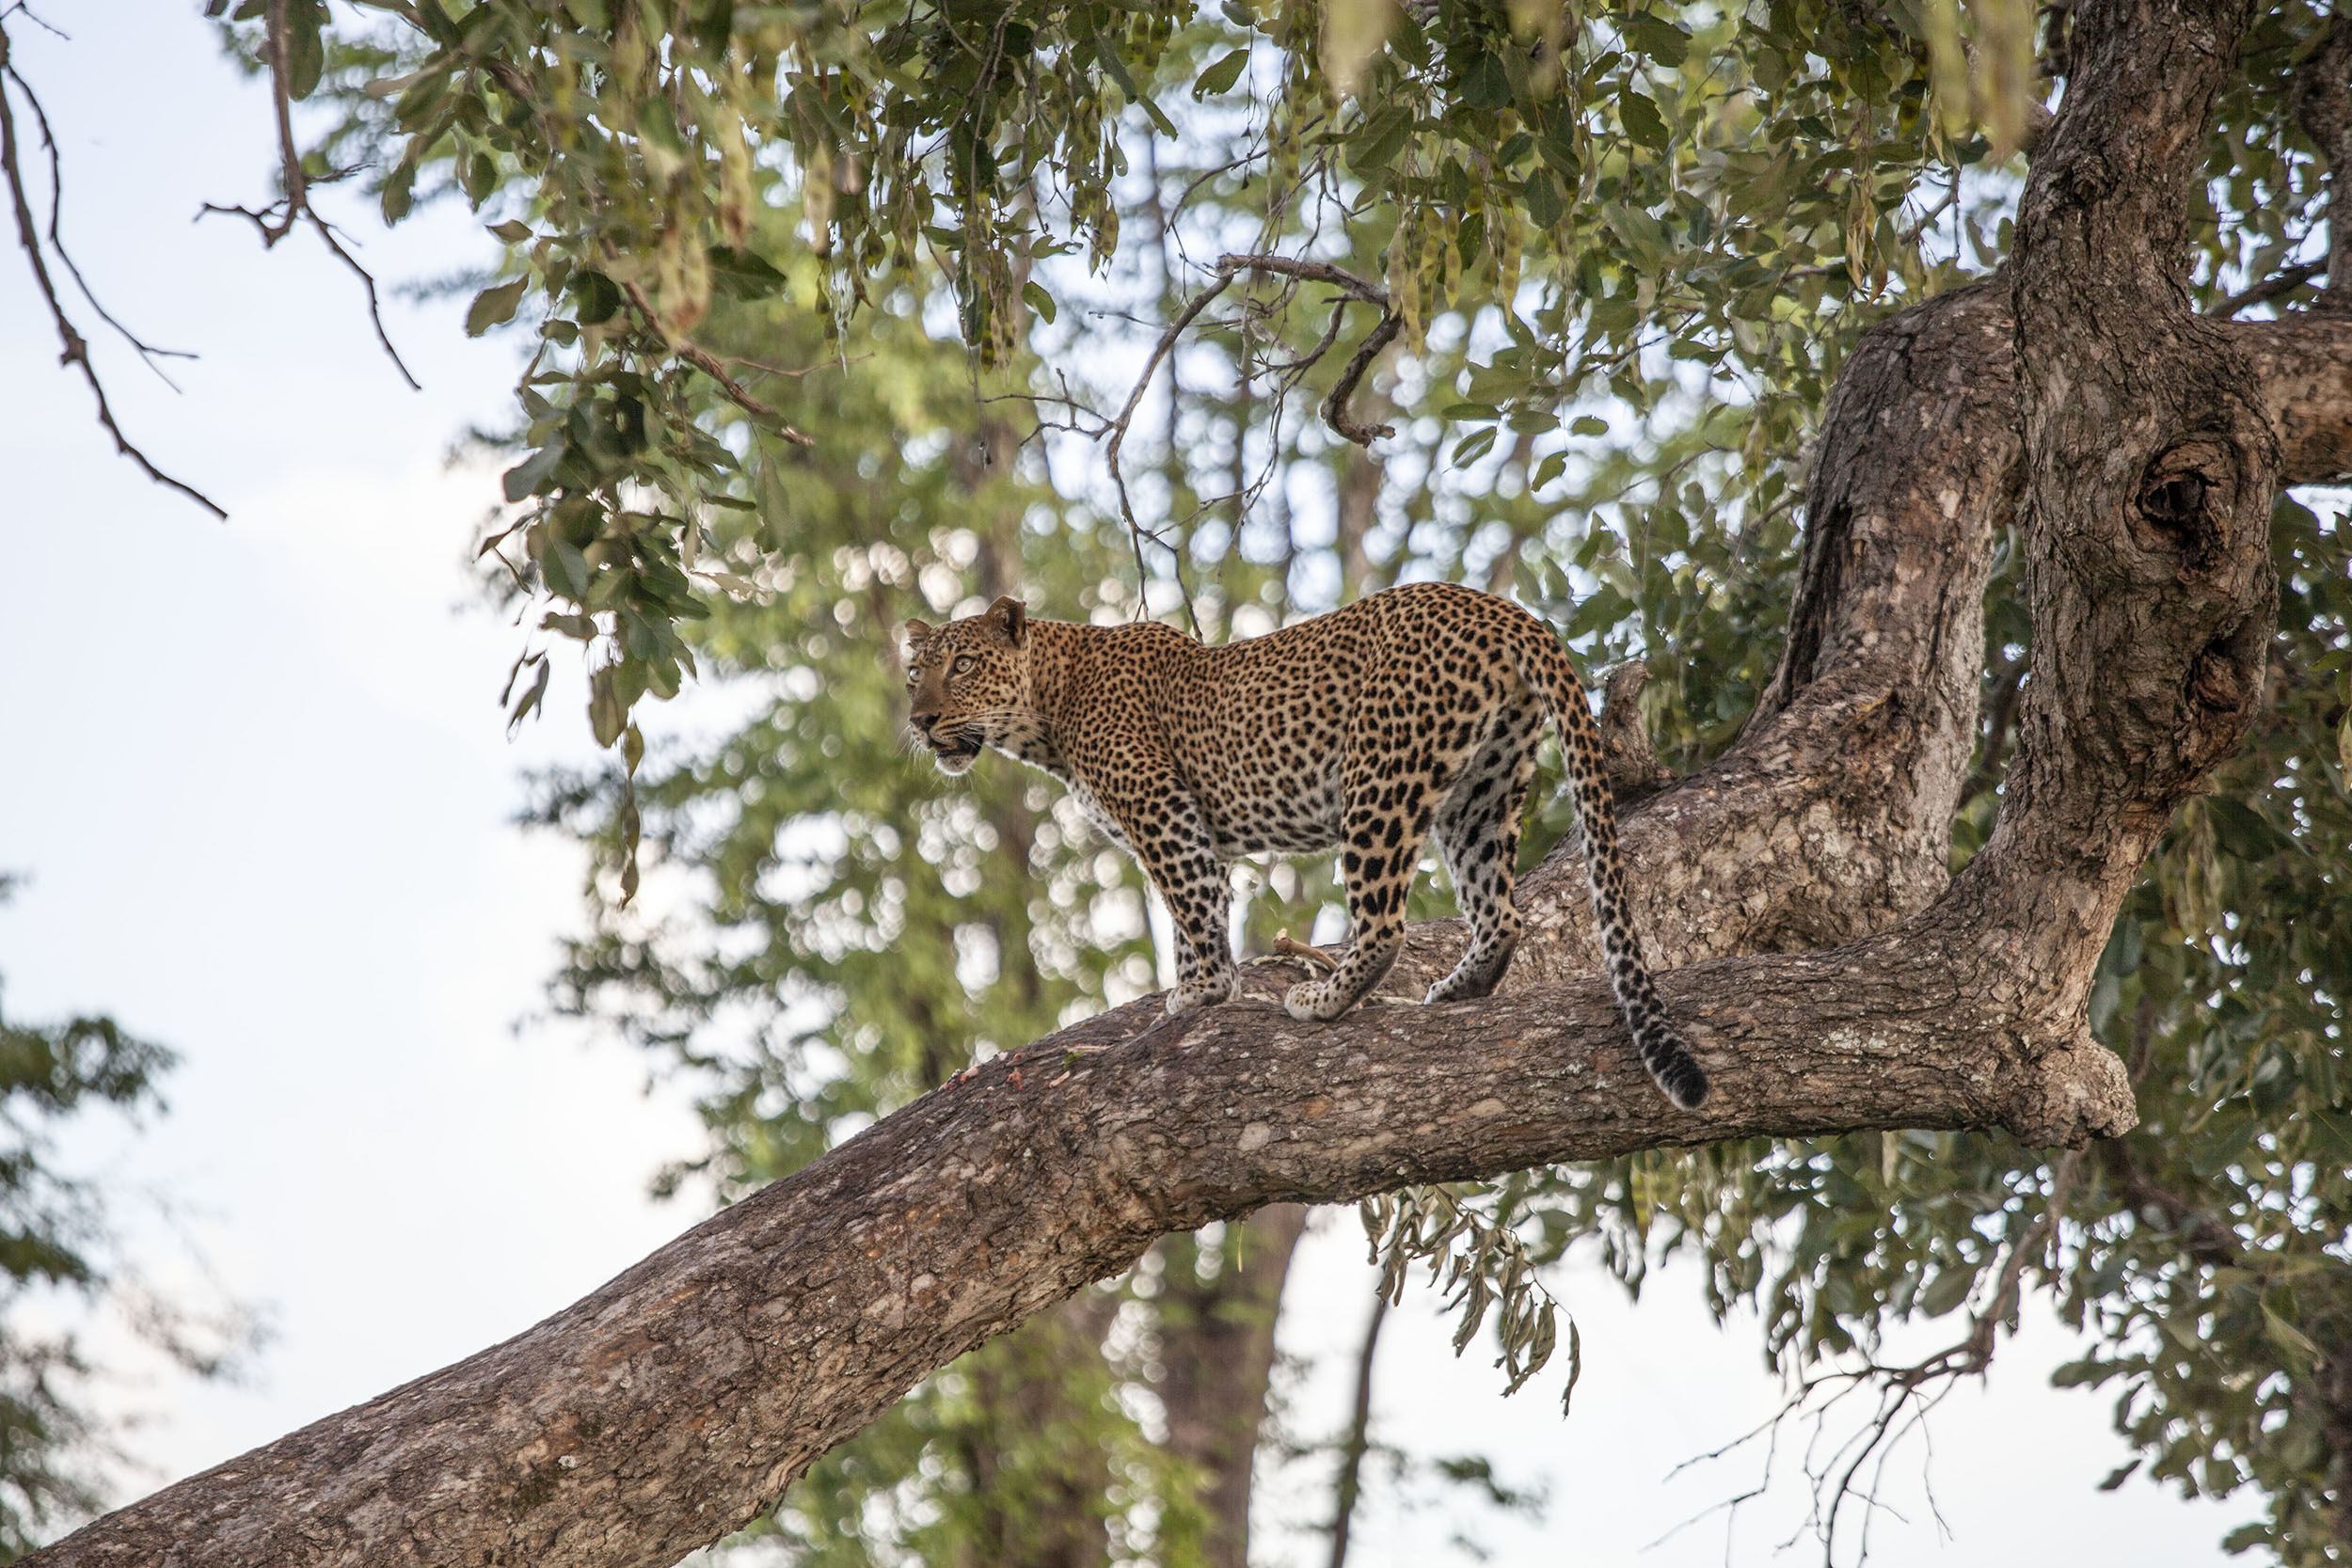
(278, 220)
(75, 348)
(678, 1401)
(1347, 1485)
(706, 362)
(2303, 366)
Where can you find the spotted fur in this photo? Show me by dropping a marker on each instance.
(1411, 712)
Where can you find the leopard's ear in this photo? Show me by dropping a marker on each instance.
(1011, 617)
(918, 633)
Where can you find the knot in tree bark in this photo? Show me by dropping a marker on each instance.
(2186, 494)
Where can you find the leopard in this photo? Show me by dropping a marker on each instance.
(1412, 712)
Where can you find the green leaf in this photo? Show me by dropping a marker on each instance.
(608, 710)
(1483, 85)
(1946, 1290)
(532, 696)
(1575, 1366)
(306, 52)
(2247, 1537)
(1473, 446)
(1642, 122)
(1039, 301)
(1663, 41)
(2242, 833)
(1221, 75)
(567, 570)
(1545, 205)
(595, 298)
(493, 306)
(1379, 140)
(531, 476)
(514, 230)
(399, 192)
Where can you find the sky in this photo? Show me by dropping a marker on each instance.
(259, 786)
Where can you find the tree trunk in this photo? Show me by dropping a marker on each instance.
(1829, 976)
(1348, 1486)
(1216, 1339)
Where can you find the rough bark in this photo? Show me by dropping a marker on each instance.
(1828, 973)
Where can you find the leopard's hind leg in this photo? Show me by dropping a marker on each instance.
(1478, 830)
(1408, 750)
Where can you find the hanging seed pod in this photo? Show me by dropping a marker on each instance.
(817, 192)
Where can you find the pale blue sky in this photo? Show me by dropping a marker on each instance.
(259, 781)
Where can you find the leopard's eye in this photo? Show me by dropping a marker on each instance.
(964, 665)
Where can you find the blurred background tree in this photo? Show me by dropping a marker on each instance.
(836, 316)
(62, 1405)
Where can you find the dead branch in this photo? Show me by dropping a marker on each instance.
(75, 348)
(1286, 946)
(149, 353)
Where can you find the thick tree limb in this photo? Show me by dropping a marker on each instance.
(679, 1401)
(2304, 363)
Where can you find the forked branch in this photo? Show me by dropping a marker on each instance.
(74, 347)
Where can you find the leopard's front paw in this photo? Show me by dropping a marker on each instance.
(1193, 996)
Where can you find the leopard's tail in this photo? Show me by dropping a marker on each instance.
(1544, 664)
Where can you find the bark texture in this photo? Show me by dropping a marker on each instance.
(1829, 973)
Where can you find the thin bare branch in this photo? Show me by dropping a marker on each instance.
(279, 218)
(75, 348)
(1335, 407)
(2284, 281)
(148, 352)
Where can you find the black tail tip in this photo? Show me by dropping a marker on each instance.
(1684, 1083)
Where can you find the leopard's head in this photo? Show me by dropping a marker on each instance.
(967, 685)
